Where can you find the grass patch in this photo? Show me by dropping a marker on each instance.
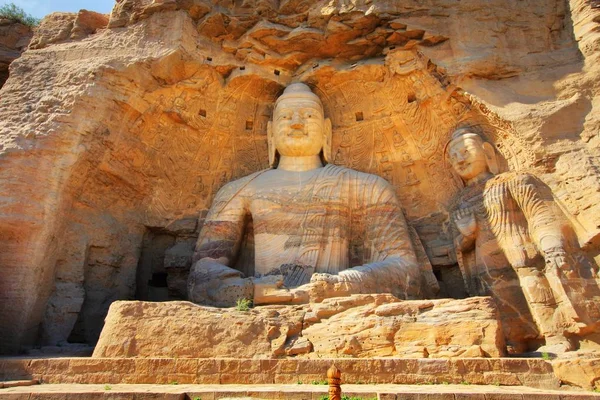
(243, 304)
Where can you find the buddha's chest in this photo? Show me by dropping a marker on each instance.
(296, 214)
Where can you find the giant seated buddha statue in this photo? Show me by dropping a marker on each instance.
(320, 230)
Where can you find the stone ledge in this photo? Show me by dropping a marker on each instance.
(492, 371)
(25, 382)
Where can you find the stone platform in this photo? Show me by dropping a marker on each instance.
(360, 326)
(293, 392)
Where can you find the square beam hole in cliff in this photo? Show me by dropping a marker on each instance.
(359, 116)
(202, 113)
(277, 72)
(209, 59)
(249, 125)
(242, 68)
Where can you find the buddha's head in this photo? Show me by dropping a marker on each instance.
(471, 156)
(299, 127)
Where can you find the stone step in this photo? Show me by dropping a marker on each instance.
(25, 382)
(295, 392)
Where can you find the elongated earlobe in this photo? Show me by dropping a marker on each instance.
(271, 144)
(491, 158)
(327, 132)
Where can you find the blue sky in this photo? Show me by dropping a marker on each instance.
(40, 8)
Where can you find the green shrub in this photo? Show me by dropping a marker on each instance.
(243, 304)
(15, 13)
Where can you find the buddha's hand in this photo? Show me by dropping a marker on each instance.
(465, 222)
(323, 286)
(209, 269)
(212, 283)
(269, 289)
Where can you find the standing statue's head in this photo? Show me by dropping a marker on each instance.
(299, 127)
(471, 156)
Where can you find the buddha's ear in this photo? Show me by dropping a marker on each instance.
(271, 144)
(490, 157)
(327, 140)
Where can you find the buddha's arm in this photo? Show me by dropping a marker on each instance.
(212, 281)
(223, 228)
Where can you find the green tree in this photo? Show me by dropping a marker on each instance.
(17, 14)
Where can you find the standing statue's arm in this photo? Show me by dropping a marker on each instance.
(544, 220)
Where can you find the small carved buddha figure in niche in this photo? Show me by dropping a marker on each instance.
(513, 242)
(305, 216)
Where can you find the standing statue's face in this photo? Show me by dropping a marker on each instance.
(298, 127)
(467, 157)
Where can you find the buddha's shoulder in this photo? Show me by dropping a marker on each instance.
(361, 178)
(239, 185)
(514, 178)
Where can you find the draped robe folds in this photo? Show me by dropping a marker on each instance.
(335, 219)
(519, 223)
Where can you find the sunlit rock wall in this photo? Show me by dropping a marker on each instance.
(113, 141)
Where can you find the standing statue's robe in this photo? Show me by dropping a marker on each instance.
(326, 220)
(518, 223)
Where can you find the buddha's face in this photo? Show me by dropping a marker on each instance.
(298, 127)
(467, 157)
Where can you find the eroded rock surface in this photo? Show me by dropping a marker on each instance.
(356, 326)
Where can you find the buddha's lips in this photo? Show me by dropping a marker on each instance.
(297, 133)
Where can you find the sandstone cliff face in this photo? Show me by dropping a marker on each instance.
(114, 141)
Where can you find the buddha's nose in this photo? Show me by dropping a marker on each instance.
(297, 122)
